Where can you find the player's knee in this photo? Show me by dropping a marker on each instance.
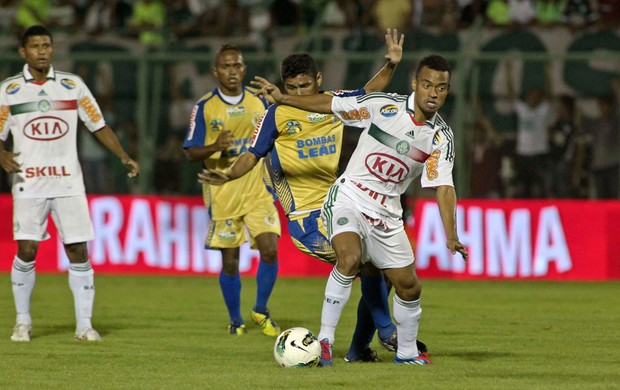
(410, 291)
(269, 255)
(348, 264)
(27, 250)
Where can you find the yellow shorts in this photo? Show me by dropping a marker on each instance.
(231, 232)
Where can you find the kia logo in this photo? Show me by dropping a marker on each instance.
(386, 168)
(46, 128)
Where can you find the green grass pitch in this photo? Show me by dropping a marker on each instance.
(162, 332)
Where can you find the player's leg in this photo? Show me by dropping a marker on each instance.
(29, 228)
(72, 220)
(407, 313)
(230, 285)
(82, 285)
(264, 227)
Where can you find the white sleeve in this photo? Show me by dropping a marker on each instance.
(88, 109)
(5, 112)
(351, 112)
(438, 167)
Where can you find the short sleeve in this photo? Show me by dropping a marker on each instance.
(351, 112)
(88, 109)
(265, 133)
(439, 165)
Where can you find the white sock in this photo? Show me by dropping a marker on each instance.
(407, 317)
(23, 280)
(337, 293)
(82, 284)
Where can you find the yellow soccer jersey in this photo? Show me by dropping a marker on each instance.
(212, 115)
(305, 150)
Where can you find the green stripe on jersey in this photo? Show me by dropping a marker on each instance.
(43, 106)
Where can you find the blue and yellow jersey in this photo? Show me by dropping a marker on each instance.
(305, 150)
(211, 116)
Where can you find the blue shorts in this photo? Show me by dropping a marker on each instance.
(310, 236)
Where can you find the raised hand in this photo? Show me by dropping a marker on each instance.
(394, 46)
(267, 90)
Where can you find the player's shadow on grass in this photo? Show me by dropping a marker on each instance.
(50, 330)
(477, 356)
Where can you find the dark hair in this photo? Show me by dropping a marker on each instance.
(434, 62)
(298, 64)
(567, 101)
(226, 47)
(34, 31)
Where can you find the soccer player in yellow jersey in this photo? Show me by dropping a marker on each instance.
(221, 129)
(304, 152)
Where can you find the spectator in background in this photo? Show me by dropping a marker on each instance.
(30, 13)
(497, 13)
(549, 12)
(603, 132)
(532, 150)
(579, 13)
(522, 12)
(148, 19)
(486, 158)
(562, 141)
(393, 14)
(107, 15)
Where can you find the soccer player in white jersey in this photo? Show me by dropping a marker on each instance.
(403, 137)
(40, 108)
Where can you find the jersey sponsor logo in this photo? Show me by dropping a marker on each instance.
(44, 105)
(4, 115)
(317, 146)
(12, 88)
(316, 118)
(46, 128)
(235, 111)
(68, 83)
(386, 168)
(259, 125)
(388, 110)
(93, 114)
(216, 125)
(293, 127)
(47, 171)
(227, 236)
(356, 115)
(436, 139)
(192, 123)
(431, 166)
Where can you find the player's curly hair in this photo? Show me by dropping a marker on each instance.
(33, 31)
(298, 64)
(434, 62)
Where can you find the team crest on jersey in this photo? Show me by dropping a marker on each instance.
(12, 88)
(402, 147)
(44, 105)
(293, 127)
(67, 83)
(235, 111)
(270, 219)
(342, 221)
(388, 110)
(216, 124)
(316, 118)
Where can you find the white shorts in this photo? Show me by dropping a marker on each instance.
(385, 247)
(70, 215)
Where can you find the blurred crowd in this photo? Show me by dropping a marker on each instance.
(557, 151)
(158, 21)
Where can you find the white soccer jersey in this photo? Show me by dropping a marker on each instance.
(392, 150)
(43, 119)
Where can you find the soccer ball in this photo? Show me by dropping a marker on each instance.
(297, 347)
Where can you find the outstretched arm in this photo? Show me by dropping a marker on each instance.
(446, 199)
(240, 167)
(394, 46)
(319, 102)
(107, 137)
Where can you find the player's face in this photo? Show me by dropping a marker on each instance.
(38, 53)
(431, 89)
(303, 84)
(230, 70)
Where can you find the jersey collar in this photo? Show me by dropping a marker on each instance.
(51, 74)
(411, 110)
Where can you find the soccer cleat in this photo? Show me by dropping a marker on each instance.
(418, 360)
(326, 354)
(391, 343)
(367, 356)
(270, 327)
(236, 328)
(87, 334)
(21, 332)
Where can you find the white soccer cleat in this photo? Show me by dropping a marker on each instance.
(21, 332)
(87, 334)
